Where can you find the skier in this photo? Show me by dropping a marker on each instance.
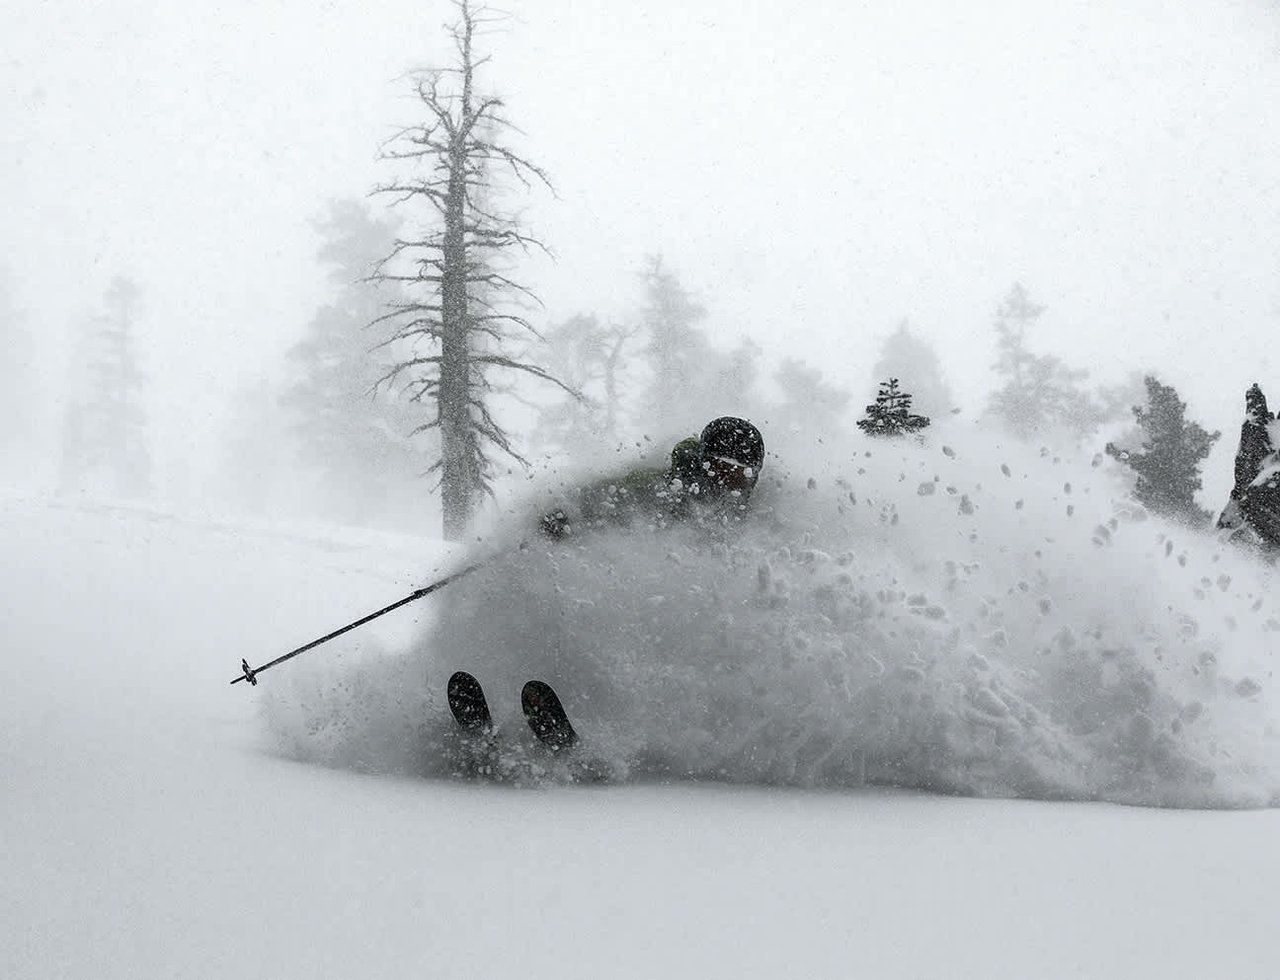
(710, 478)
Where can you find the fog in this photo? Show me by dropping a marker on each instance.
(813, 176)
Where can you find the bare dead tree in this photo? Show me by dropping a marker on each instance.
(461, 307)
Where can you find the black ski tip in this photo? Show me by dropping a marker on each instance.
(546, 716)
(467, 702)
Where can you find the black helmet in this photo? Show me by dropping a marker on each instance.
(731, 438)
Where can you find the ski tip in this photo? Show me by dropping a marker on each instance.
(546, 715)
(467, 702)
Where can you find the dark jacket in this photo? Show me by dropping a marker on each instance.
(645, 496)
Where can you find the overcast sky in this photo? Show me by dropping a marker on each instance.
(815, 172)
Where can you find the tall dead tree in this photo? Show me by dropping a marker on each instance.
(455, 325)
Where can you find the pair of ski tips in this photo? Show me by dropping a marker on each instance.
(541, 705)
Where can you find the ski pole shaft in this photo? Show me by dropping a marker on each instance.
(250, 674)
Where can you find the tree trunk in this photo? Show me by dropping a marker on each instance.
(456, 484)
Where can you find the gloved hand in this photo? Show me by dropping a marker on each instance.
(555, 525)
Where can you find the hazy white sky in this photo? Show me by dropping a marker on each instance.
(816, 172)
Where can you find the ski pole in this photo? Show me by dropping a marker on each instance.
(250, 674)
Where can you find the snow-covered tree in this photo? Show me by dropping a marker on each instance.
(460, 306)
(1252, 514)
(809, 403)
(906, 355)
(1167, 462)
(105, 441)
(1038, 391)
(351, 433)
(891, 414)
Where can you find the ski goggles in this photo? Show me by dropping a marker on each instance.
(729, 473)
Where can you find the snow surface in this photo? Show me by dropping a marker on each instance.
(155, 821)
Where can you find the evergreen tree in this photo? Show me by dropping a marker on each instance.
(729, 379)
(105, 441)
(904, 354)
(1168, 461)
(891, 414)
(351, 433)
(1039, 392)
(459, 309)
(677, 351)
(1252, 514)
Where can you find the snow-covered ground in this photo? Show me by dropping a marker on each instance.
(157, 822)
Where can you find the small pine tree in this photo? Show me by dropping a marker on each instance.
(891, 414)
(1168, 463)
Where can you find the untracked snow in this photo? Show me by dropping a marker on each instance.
(945, 615)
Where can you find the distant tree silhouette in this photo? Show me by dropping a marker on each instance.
(891, 413)
(105, 441)
(1039, 392)
(1168, 461)
(690, 380)
(351, 433)
(677, 349)
(904, 354)
(809, 404)
(587, 356)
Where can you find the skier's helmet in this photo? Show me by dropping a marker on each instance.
(735, 439)
(732, 451)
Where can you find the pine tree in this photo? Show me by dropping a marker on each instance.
(1252, 514)
(351, 433)
(891, 414)
(1039, 392)
(105, 441)
(729, 379)
(677, 351)
(1168, 461)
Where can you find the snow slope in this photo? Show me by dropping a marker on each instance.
(150, 825)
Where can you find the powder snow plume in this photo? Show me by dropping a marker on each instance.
(946, 615)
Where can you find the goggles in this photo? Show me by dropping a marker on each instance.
(729, 473)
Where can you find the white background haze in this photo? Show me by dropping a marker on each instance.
(814, 173)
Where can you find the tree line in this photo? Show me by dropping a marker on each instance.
(401, 375)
